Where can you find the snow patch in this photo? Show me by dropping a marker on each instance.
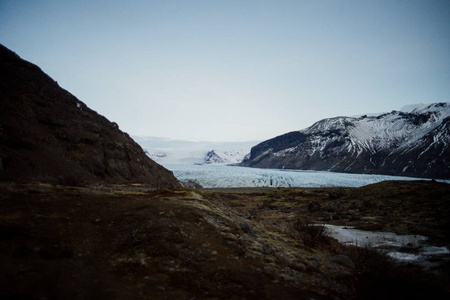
(425, 255)
(351, 236)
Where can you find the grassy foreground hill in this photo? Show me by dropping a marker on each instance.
(131, 242)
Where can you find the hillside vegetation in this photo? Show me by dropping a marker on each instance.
(130, 242)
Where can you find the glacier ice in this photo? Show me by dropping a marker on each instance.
(227, 176)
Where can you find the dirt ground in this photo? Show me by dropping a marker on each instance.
(128, 242)
(421, 207)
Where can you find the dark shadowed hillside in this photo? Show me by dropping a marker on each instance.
(48, 135)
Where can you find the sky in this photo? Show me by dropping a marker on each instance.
(235, 70)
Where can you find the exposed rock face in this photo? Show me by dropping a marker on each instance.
(48, 135)
(408, 143)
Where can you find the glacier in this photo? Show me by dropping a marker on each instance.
(228, 176)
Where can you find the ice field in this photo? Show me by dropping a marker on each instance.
(225, 176)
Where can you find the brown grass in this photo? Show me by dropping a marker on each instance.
(131, 242)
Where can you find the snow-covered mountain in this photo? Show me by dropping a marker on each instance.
(171, 152)
(224, 156)
(411, 142)
(199, 157)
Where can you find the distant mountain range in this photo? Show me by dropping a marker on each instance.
(411, 142)
(169, 152)
(197, 157)
(224, 157)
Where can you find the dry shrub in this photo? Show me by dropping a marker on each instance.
(380, 277)
(310, 233)
(302, 230)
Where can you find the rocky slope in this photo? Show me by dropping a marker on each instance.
(414, 142)
(48, 135)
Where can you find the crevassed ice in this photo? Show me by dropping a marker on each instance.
(224, 176)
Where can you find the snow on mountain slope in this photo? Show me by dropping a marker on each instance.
(395, 143)
(382, 132)
(169, 152)
(421, 108)
(224, 156)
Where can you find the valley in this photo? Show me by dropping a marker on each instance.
(86, 214)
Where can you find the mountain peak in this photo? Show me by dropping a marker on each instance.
(420, 108)
(411, 142)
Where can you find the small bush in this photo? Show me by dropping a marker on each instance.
(268, 204)
(310, 233)
(380, 277)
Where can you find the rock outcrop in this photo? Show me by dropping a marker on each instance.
(48, 135)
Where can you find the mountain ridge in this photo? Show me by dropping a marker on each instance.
(48, 135)
(399, 143)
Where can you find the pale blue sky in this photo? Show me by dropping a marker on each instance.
(235, 70)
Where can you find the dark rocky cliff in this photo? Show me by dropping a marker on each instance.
(48, 135)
